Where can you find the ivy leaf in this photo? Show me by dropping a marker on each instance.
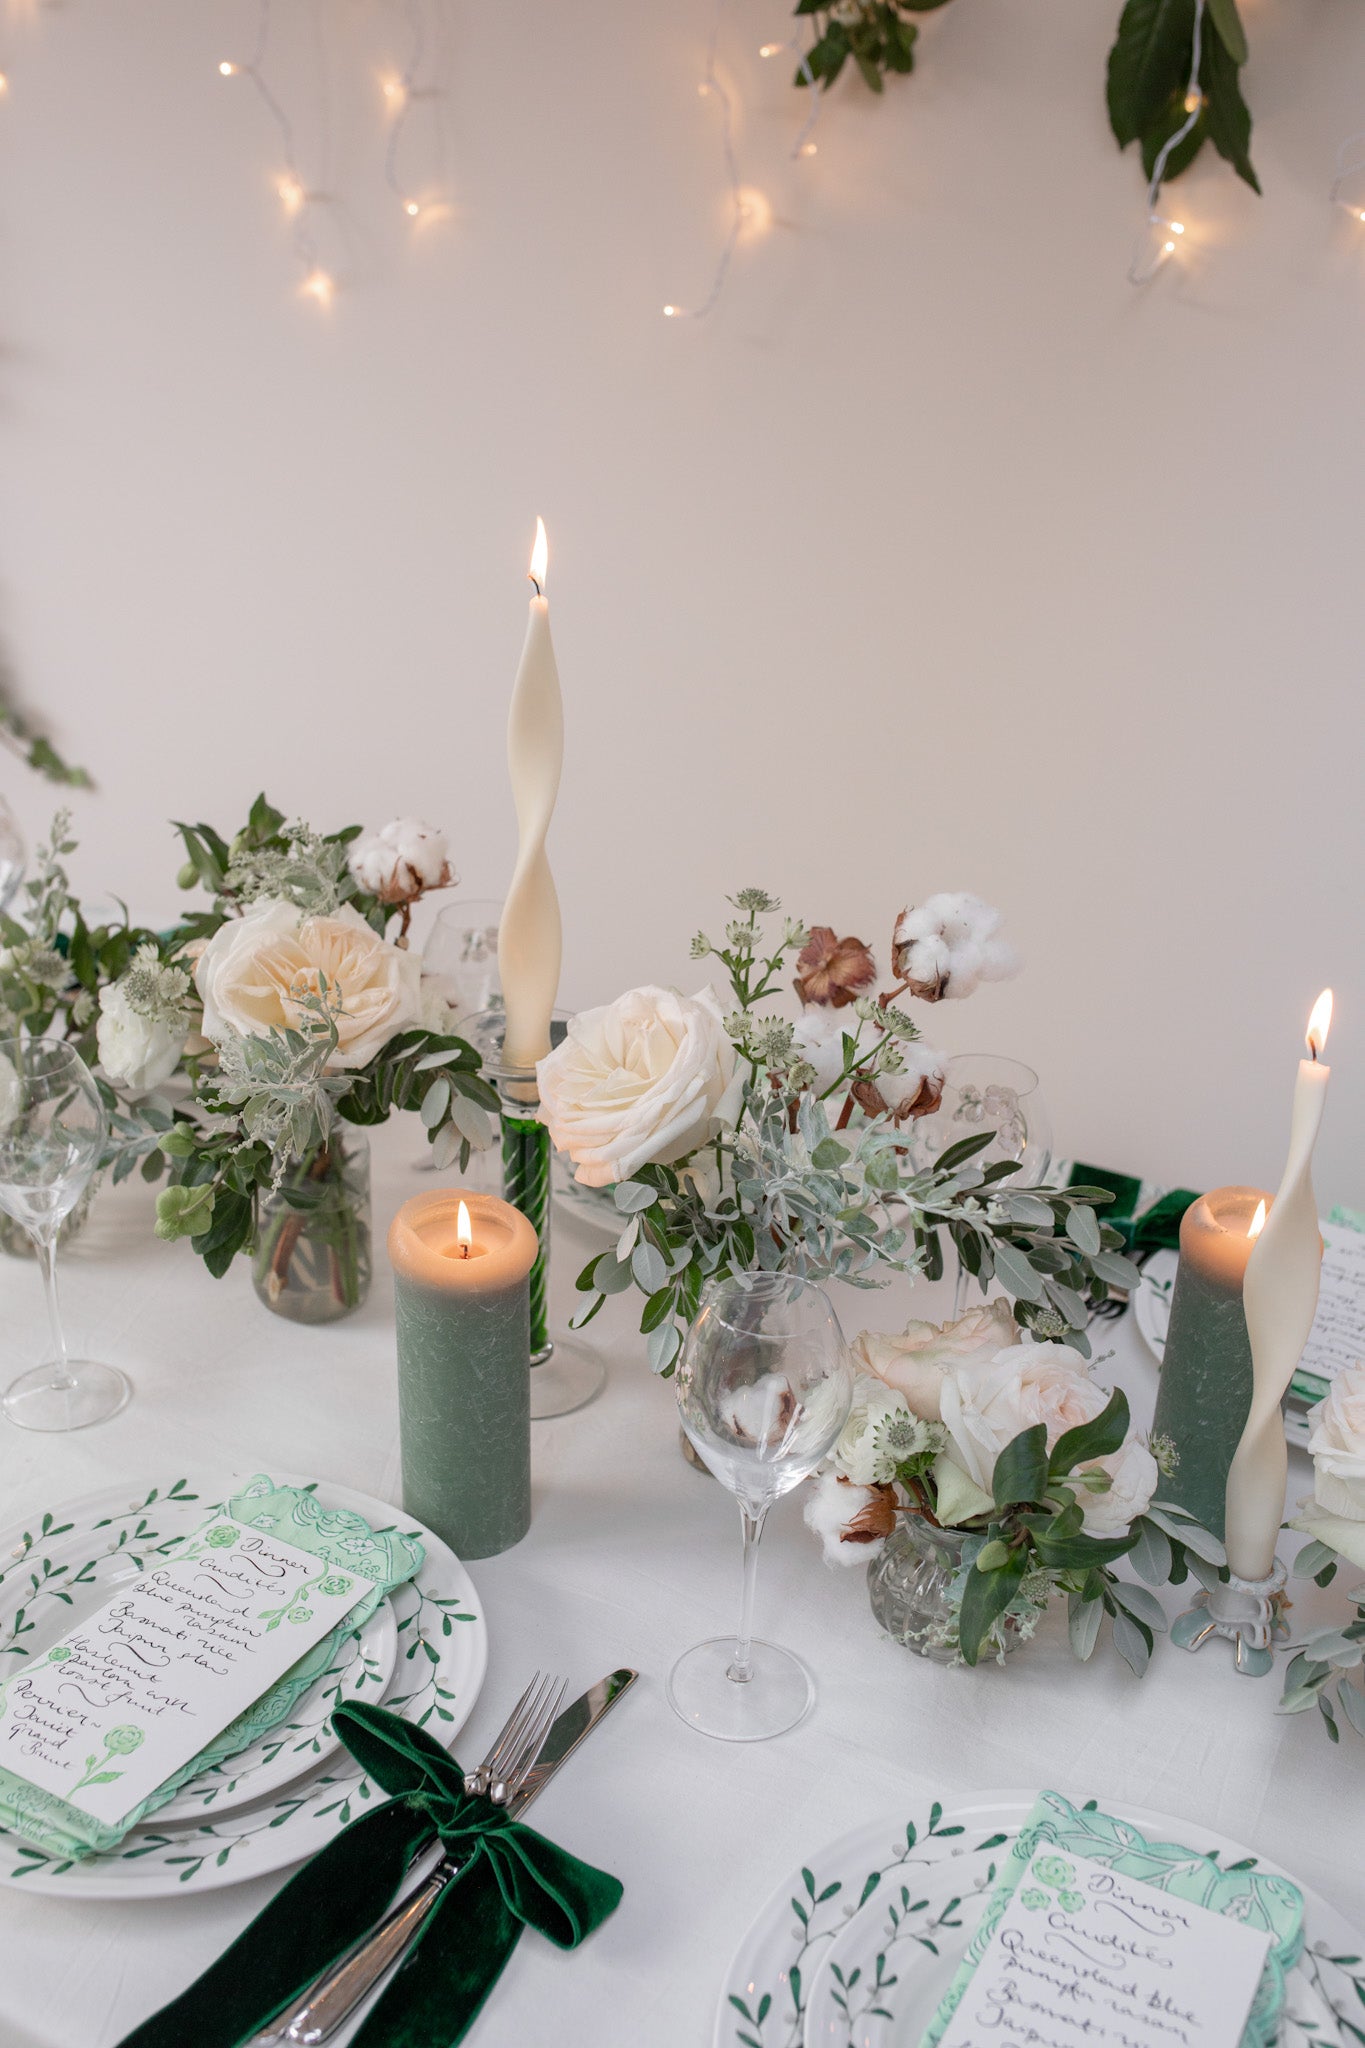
(1226, 113)
(1150, 60)
(1225, 18)
(1089, 1440)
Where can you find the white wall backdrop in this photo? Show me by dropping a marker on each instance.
(938, 556)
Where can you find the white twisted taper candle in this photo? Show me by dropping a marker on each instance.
(529, 936)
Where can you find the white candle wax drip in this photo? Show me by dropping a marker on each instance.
(1280, 1296)
(529, 937)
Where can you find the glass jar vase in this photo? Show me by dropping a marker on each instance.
(910, 1586)
(312, 1260)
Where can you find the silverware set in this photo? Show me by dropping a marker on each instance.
(537, 1737)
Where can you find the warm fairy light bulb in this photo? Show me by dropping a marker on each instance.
(1320, 1023)
(4, 85)
(319, 285)
(291, 193)
(672, 312)
(755, 210)
(227, 70)
(1257, 1224)
(810, 148)
(540, 556)
(393, 90)
(1177, 227)
(769, 49)
(1193, 102)
(411, 208)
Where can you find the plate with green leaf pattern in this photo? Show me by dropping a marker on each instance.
(857, 1949)
(423, 1652)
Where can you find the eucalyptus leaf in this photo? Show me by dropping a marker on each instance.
(1082, 1227)
(1016, 1275)
(1150, 1556)
(649, 1268)
(1141, 1604)
(663, 1344)
(1132, 1643)
(631, 1195)
(1083, 1624)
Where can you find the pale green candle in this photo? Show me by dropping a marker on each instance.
(461, 1264)
(1205, 1392)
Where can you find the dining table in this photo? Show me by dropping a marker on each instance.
(632, 1556)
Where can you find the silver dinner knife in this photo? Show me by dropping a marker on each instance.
(333, 1997)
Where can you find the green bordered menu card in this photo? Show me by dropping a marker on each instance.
(186, 1664)
(1096, 1935)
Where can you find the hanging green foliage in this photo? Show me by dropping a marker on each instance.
(1150, 97)
(877, 34)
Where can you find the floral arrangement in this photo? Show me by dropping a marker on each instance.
(229, 1047)
(737, 1139)
(1334, 1523)
(1016, 1446)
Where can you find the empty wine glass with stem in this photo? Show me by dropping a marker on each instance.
(52, 1133)
(764, 1386)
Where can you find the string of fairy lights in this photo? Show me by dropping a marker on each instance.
(403, 90)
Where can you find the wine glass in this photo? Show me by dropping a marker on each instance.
(764, 1386)
(461, 956)
(52, 1132)
(984, 1091)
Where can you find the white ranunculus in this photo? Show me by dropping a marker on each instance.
(642, 1080)
(856, 1453)
(913, 1364)
(137, 1053)
(254, 969)
(1134, 1476)
(1336, 1513)
(397, 864)
(986, 1406)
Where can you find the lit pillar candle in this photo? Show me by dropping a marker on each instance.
(461, 1264)
(529, 935)
(1281, 1297)
(1205, 1391)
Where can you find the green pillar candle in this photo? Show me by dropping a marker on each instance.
(1205, 1392)
(461, 1289)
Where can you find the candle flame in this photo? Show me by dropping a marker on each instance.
(540, 557)
(464, 1230)
(1257, 1221)
(1320, 1023)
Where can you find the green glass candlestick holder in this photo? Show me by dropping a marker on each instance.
(565, 1372)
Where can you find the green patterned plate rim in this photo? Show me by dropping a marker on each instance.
(780, 1990)
(442, 1654)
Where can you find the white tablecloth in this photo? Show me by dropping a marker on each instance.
(631, 1557)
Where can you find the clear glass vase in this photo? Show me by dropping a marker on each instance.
(910, 1586)
(312, 1260)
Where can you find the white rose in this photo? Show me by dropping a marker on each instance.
(1133, 1475)
(913, 1364)
(855, 1452)
(986, 1406)
(640, 1080)
(137, 1053)
(1336, 1513)
(397, 864)
(254, 969)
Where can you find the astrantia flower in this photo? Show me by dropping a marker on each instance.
(832, 970)
(947, 946)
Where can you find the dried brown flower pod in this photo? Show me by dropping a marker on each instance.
(874, 1520)
(914, 1102)
(832, 970)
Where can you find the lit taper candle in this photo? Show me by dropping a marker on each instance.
(529, 936)
(1280, 1295)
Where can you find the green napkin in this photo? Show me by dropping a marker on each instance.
(1250, 1896)
(337, 1536)
(510, 1878)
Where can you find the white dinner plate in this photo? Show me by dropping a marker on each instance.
(283, 1804)
(857, 1947)
(1152, 1312)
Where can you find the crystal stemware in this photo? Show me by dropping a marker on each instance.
(764, 1386)
(984, 1091)
(461, 956)
(52, 1133)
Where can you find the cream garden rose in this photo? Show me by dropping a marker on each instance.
(254, 969)
(913, 1363)
(986, 1406)
(641, 1080)
(1336, 1513)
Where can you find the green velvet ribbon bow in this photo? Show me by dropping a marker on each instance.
(1156, 1229)
(511, 1878)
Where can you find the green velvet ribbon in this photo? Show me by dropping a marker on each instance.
(1157, 1228)
(510, 1878)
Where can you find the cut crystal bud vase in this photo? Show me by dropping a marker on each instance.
(312, 1259)
(911, 1587)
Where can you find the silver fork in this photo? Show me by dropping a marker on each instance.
(333, 1997)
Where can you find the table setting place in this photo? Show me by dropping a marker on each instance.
(244, 1680)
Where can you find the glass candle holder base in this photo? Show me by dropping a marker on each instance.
(565, 1376)
(1248, 1613)
(777, 1695)
(70, 1396)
